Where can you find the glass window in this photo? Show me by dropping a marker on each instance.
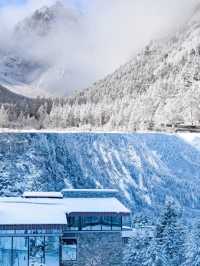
(36, 251)
(106, 223)
(73, 223)
(7, 232)
(69, 249)
(91, 223)
(116, 223)
(20, 232)
(20, 251)
(96, 222)
(52, 250)
(5, 251)
(86, 223)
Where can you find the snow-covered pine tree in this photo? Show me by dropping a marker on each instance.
(170, 238)
(193, 247)
(137, 250)
(4, 117)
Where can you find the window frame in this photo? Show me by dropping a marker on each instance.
(61, 250)
(80, 223)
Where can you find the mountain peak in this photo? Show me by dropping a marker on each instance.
(44, 19)
(47, 12)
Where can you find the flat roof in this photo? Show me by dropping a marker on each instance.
(98, 190)
(34, 194)
(15, 213)
(17, 210)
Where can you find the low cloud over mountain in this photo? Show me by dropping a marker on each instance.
(57, 48)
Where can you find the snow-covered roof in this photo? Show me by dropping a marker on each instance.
(54, 210)
(16, 213)
(91, 190)
(42, 195)
(94, 205)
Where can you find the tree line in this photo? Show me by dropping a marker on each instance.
(171, 242)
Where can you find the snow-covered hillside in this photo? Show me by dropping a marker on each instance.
(26, 65)
(146, 168)
(160, 85)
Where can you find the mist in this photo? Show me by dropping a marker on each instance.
(101, 37)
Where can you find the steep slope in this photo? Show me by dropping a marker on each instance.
(14, 108)
(27, 66)
(17, 73)
(146, 168)
(9, 97)
(160, 85)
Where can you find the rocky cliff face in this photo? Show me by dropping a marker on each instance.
(146, 168)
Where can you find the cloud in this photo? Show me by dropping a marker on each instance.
(108, 33)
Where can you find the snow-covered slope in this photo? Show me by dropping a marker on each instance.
(146, 168)
(27, 66)
(18, 74)
(161, 84)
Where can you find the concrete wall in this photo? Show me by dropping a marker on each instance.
(98, 249)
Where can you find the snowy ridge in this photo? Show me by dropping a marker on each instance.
(146, 168)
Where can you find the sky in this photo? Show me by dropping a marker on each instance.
(11, 2)
(3, 3)
(108, 33)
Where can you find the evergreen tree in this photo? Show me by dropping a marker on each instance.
(169, 238)
(193, 247)
(137, 250)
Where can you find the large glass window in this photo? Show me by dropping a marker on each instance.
(20, 251)
(69, 250)
(116, 223)
(91, 223)
(36, 251)
(106, 223)
(31, 251)
(52, 251)
(73, 223)
(5, 251)
(98, 223)
(86, 223)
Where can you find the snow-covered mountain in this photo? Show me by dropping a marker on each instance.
(26, 67)
(146, 168)
(43, 21)
(161, 84)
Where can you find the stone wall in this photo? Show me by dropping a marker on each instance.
(98, 249)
